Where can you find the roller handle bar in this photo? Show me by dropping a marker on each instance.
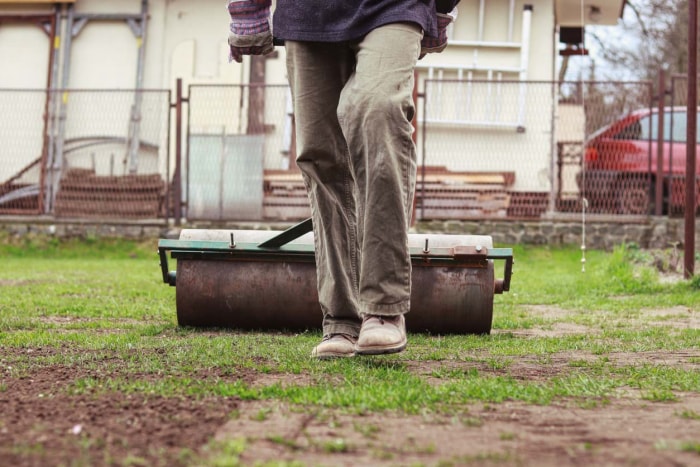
(288, 235)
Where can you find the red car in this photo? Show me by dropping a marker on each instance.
(621, 163)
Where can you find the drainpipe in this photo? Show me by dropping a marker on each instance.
(482, 13)
(139, 28)
(524, 65)
(511, 17)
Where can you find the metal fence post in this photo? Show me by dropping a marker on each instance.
(177, 174)
(691, 140)
(659, 189)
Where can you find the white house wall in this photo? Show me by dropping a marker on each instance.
(194, 48)
(493, 123)
(22, 70)
(187, 39)
(104, 53)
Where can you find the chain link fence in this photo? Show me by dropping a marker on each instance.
(519, 150)
(633, 159)
(591, 172)
(240, 163)
(676, 147)
(23, 131)
(486, 149)
(85, 154)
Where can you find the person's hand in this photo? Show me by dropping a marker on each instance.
(437, 44)
(250, 28)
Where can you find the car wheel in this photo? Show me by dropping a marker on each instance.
(634, 197)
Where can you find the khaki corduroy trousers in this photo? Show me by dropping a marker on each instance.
(353, 106)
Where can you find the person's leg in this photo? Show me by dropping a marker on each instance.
(317, 74)
(375, 112)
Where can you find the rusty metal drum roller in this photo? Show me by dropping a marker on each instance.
(233, 279)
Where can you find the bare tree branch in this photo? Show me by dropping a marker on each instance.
(638, 15)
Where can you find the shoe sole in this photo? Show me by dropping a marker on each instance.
(396, 348)
(331, 356)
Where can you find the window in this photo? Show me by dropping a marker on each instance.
(680, 125)
(648, 128)
(632, 131)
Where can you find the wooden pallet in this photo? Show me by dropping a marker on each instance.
(457, 203)
(84, 194)
(440, 175)
(284, 196)
(440, 194)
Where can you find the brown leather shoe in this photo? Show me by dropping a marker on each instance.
(381, 335)
(335, 346)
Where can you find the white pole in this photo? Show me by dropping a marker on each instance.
(524, 64)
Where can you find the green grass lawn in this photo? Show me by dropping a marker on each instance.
(99, 306)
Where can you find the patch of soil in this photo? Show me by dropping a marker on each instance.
(555, 330)
(42, 425)
(680, 317)
(624, 432)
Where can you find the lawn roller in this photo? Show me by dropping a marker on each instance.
(266, 280)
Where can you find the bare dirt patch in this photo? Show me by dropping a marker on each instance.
(625, 432)
(41, 424)
(677, 316)
(555, 330)
(680, 317)
(68, 321)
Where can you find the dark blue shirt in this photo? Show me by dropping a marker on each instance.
(342, 20)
